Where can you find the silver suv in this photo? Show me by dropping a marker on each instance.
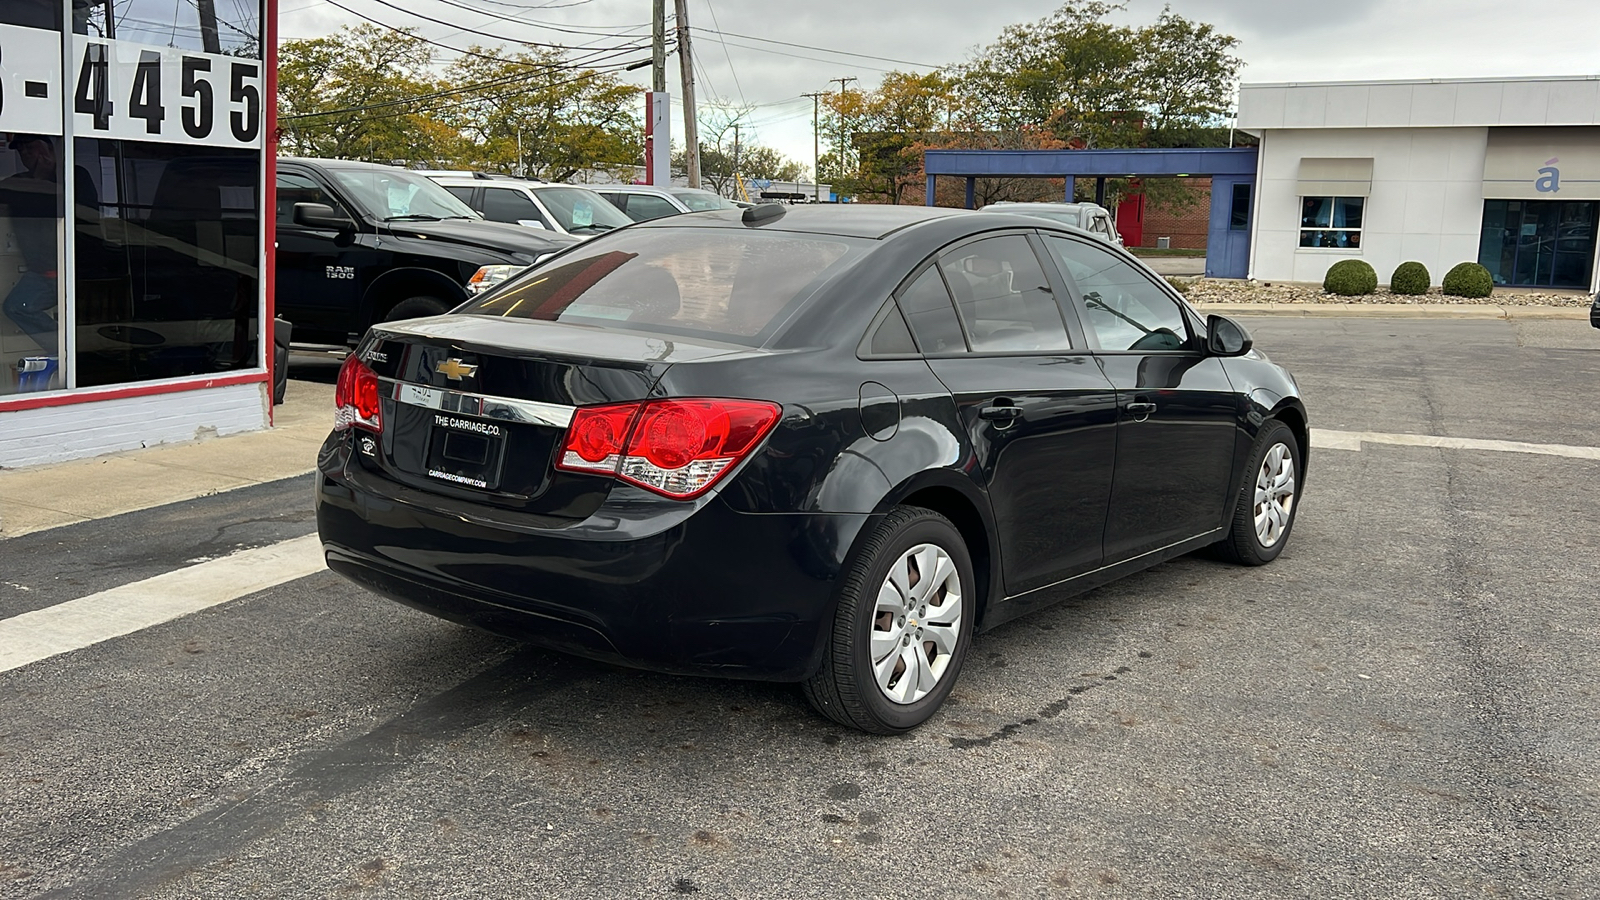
(1091, 217)
(561, 208)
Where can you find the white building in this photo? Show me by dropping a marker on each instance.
(1503, 172)
(134, 255)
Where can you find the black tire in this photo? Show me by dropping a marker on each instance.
(844, 688)
(1243, 545)
(416, 308)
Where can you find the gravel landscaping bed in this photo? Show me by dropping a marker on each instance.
(1228, 290)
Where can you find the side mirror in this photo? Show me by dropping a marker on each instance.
(1225, 337)
(531, 223)
(322, 216)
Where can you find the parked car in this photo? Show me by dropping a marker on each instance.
(815, 444)
(1091, 217)
(643, 202)
(360, 243)
(698, 200)
(1594, 311)
(561, 208)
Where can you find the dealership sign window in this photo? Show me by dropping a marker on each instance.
(131, 164)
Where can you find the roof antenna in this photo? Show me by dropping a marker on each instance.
(763, 212)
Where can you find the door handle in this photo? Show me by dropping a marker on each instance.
(1141, 410)
(1002, 411)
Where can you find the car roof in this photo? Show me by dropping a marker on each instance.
(620, 187)
(844, 219)
(1059, 204)
(344, 164)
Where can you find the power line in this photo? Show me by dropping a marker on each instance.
(550, 25)
(459, 28)
(595, 57)
(831, 62)
(725, 52)
(749, 37)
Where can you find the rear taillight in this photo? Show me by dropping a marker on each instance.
(677, 448)
(356, 397)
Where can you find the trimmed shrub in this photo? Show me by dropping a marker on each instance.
(1468, 280)
(1350, 278)
(1410, 278)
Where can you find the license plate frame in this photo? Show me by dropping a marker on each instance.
(466, 452)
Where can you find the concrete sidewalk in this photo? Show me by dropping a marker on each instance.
(40, 497)
(1398, 310)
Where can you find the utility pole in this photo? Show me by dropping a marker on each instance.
(209, 41)
(842, 136)
(658, 46)
(816, 146)
(737, 181)
(691, 131)
(657, 104)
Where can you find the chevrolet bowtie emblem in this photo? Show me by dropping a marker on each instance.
(455, 369)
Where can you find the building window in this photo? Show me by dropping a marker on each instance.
(168, 244)
(1331, 222)
(1239, 215)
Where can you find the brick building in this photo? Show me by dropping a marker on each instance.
(1142, 225)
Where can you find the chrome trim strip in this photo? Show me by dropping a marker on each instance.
(528, 412)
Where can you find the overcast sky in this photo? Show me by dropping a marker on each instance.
(1280, 40)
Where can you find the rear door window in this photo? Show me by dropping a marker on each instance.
(464, 194)
(642, 207)
(1003, 298)
(927, 308)
(732, 284)
(509, 206)
(889, 335)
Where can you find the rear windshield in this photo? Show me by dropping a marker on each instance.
(724, 282)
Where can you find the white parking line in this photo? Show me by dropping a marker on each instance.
(1352, 440)
(76, 624)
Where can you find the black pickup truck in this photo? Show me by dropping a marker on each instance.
(360, 243)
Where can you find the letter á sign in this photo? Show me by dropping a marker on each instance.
(1549, 180)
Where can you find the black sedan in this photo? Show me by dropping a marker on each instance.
(813, 444)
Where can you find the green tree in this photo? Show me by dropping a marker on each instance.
(351, 95)
(882, 133)
(1072, 72)
(1186, 73)
(568, 119)
(1072, 79)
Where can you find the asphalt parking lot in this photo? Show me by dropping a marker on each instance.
(1403, 705)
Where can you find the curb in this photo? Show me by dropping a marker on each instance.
(1397, 310)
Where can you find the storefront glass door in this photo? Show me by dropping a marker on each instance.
(1539, 243)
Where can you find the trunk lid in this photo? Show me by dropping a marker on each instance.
(477, 408)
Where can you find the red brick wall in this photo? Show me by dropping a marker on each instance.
(1187, 227)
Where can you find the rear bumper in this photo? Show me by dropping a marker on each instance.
(717, 592)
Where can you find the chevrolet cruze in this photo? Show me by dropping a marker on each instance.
(824, 445)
